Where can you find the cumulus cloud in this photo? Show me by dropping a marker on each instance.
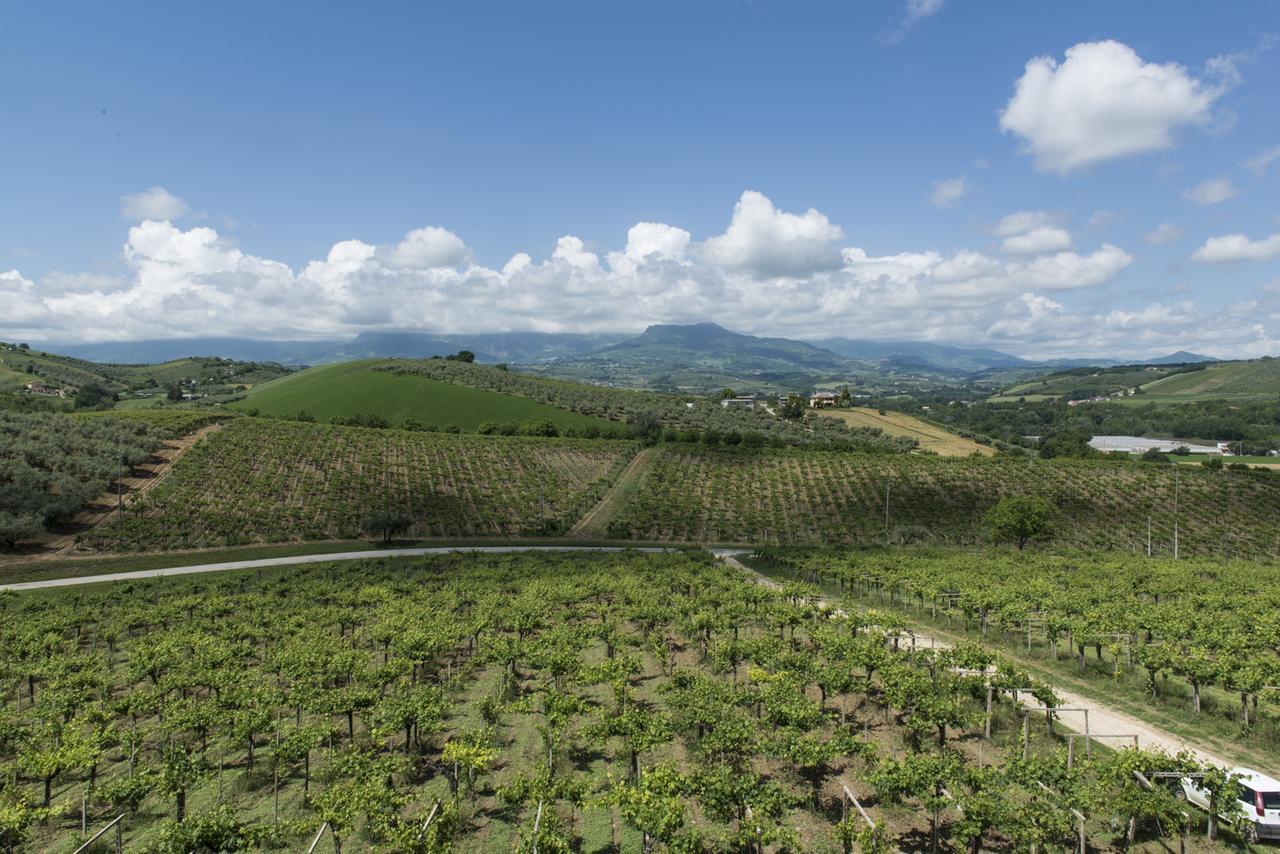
(1037, 241)
(1237, 247)
(1023, 221)
(1259, 162)
(1102, 102)
(1211, 192)
(154, 203)
(428, 248)
(949, 191)
(1032, 233)
(764, 241)
(770, 272)
(1165, 232)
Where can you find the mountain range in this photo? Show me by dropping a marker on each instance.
(693, 356)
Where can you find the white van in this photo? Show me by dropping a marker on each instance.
(1258, 809)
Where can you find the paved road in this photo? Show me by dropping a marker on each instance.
(295, 560)
(1114, 727)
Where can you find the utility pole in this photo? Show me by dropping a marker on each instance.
(886, 511)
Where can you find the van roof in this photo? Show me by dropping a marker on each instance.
(1257, 780)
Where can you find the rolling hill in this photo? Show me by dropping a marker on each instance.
(20, 365)
(1157, 382)
(357, 389)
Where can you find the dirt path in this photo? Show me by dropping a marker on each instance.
(595, 523)
(106, 506)
(1111, 726)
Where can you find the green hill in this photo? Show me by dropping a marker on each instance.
(354, 389)
(1224, 380)
(204, 375)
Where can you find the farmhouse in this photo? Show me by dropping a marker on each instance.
(40, 388)
(822, 400)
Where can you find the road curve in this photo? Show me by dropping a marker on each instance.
(1106, 725)
(295, 560)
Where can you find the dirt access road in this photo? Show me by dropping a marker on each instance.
(1111, 726)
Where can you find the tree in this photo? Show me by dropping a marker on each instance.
(1021, 519)
(15, 527)
(388, 523)
(645, 425)
(792, 409)
(1153, 455)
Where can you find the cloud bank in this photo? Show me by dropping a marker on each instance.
(770, 271)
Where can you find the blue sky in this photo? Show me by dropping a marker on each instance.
(276, 135)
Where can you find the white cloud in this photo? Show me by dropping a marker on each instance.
(430, 247)
(1102, 102)
(771, 272)
(765, 241)
(1037, 241)
(1237, 247)
(949, 191)
(1259, 162)
(155, 203)
(1165, 232)
(914, 12)
(1211, 192)
(1024, 221)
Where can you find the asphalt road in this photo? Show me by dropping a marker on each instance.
(296, 560)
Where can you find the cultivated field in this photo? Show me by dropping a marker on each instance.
(259, 480)
(1231, 380)
(781, 496)
(929, 436)
(501, 703)
(356, 389)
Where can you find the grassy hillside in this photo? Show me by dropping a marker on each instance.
(929, 436)
(1229, 380)
(689, 493)
(356, 388)
(19, 366)
(1248, 380)
(696, 416)
(260, 480)
(1083, 383)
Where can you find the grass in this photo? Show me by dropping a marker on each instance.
(355, 388)
(930, 437)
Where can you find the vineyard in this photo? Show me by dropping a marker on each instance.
(567, 702)
(259, 480)
(1197, 635)
(786, 496)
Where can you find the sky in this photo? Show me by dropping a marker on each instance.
(1074, 179)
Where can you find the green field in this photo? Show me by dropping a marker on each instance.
(355, 388)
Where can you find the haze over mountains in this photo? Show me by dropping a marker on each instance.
(663, 356)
